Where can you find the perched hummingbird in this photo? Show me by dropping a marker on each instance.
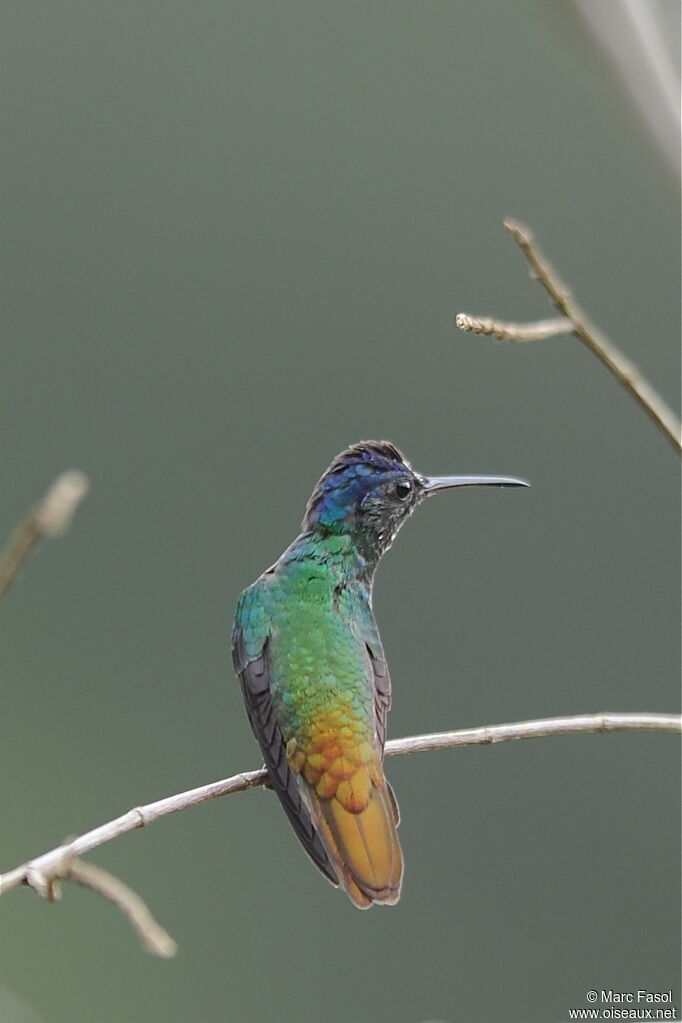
(307, 650)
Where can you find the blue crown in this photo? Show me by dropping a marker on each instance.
(340, 490)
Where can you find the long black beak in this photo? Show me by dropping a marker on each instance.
(434, 483)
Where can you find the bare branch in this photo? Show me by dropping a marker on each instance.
(534, 730)
(44, 873)
(152, 935)
(51, 517)
(37, 873)
(574, 321)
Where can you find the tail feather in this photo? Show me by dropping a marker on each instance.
(363, 847)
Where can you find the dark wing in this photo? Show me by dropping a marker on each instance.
(382, 685)
(254, 673)
(363, 625)
(382, 690)
(382, 705)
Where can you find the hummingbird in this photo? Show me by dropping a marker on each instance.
(313, 672)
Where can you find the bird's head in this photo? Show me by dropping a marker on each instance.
(370, 489)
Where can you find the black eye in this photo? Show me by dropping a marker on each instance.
(403, 489)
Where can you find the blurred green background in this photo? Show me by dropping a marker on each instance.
(235, 238)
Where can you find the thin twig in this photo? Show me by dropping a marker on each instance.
(574, 321)
(62, 863)
(540, 330)
(152, 935)
(622, 368)
(49, 518)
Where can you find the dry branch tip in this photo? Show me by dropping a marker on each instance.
(51, 517)
(54, 514)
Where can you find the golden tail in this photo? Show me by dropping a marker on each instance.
(362, 842)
